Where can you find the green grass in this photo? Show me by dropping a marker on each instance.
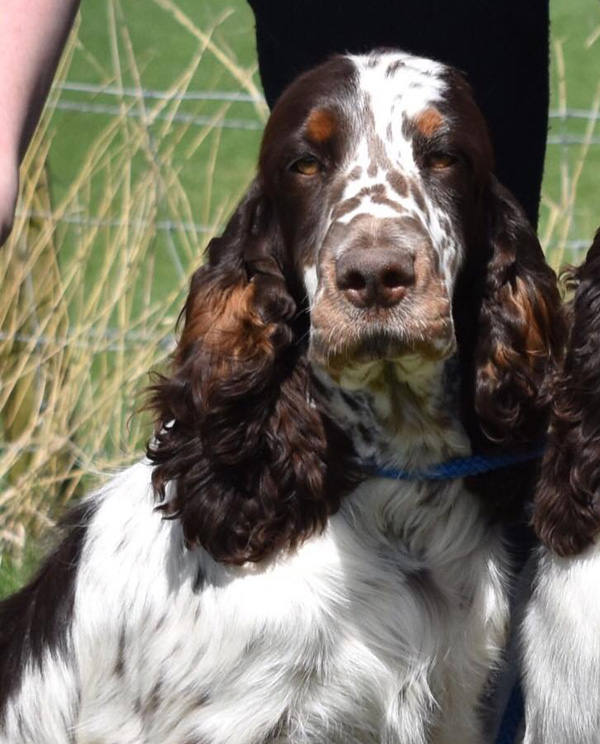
(14, 572)
(574, 26)
(212, 173)
(163, 48)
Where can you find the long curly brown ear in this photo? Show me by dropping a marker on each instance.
(521, 328)
(567, 502)
(240, 455)
(511, 331)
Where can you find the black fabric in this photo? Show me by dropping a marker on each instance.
(501, 46)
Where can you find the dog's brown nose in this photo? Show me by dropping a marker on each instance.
(375, 276)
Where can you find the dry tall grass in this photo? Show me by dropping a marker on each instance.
(83, 314)
(558, 214)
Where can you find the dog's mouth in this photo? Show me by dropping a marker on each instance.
(344, 336)
(355, 348)
(383, 302)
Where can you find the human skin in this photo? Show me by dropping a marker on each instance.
(32, 37)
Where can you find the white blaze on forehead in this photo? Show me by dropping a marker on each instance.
(414, 81)
(392, 88)
(413, 85)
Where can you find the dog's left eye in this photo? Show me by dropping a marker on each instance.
(307, 166)
(440, 160)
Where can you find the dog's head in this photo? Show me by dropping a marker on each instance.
(374, 235)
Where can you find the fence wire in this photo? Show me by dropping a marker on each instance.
(97, 106)
(115, 339)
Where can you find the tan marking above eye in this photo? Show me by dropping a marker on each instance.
(439, 160)
(321, 125)
(429, 121)
(307, 166)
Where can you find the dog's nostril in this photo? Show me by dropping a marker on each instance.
(354, 280)
(392, 278)
(375, 277)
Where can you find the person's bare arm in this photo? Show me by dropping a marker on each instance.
(32, 36)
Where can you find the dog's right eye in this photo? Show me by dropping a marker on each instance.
(440, 160)
(306, 166)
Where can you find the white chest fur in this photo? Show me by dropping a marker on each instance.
(561, 650)
(382, 629)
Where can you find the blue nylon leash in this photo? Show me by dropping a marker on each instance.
(458, 467)
(461, 467)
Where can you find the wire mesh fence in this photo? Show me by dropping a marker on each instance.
(110, 91)
(97, 103)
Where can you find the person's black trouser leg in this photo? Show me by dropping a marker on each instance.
(501, 45)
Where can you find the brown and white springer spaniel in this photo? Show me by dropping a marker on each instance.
(377, 297)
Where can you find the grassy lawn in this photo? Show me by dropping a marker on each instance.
(127, 189)
(163, 47)
(571, 184)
